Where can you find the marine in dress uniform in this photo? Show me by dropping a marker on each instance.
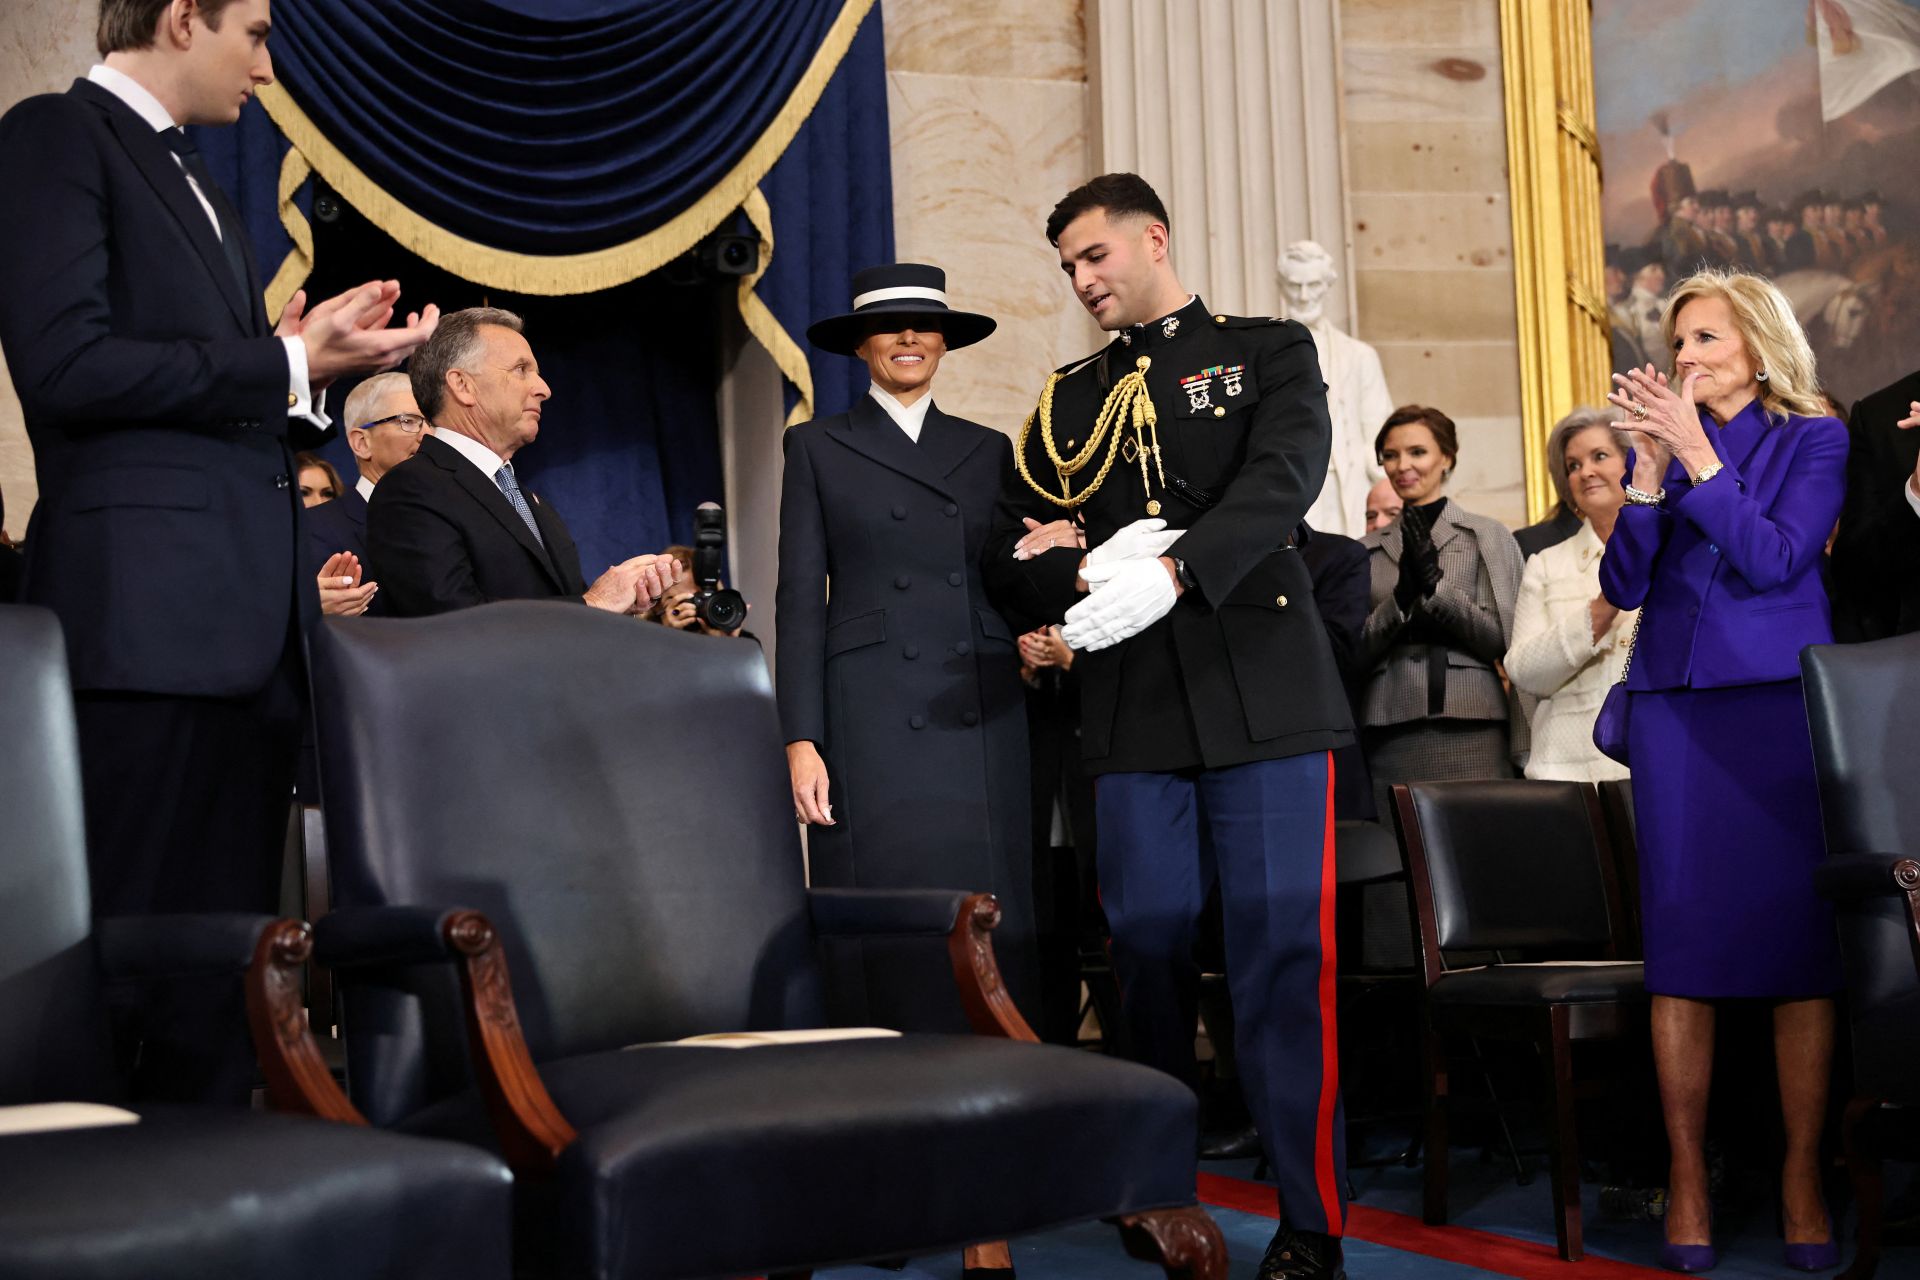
(1209, 729)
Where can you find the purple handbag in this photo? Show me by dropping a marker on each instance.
(1610, 726)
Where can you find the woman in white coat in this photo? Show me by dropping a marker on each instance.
(1569, 644)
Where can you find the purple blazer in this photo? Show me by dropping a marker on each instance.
(1728, 572)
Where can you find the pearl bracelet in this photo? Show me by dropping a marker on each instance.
(1641, 498)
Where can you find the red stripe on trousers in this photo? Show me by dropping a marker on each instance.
(1332, 1198)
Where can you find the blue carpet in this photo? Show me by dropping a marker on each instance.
(1483, 1197)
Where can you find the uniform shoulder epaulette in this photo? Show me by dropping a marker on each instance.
(1072, 366)
(1248, 322)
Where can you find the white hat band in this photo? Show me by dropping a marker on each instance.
(920, 292)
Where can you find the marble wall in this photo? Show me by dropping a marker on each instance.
(1427, 181)
(989, 114)
(44, 44)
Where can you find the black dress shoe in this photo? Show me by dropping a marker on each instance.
(1303, 1255)
(1230, 1144)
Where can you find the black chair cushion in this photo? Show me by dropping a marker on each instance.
(700, 1161)
(1523, 984)
(194, 1194)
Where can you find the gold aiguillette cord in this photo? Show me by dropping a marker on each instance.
(1127, 402)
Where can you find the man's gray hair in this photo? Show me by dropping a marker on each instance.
(1565, 430)
(362, 406)
(455, 344)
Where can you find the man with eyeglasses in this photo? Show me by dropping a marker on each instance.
(384, 429)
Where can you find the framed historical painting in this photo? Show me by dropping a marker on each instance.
(1775, 136)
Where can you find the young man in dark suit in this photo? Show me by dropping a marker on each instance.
(451, 527)
(159, 401)
(1210, 698)
(1876, 556)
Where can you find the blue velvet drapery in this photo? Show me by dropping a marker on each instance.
(566, 127)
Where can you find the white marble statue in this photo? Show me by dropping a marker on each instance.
(1357, 397)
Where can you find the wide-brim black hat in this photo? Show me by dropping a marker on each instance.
(904, 295)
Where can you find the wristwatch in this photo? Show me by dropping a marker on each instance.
(1709, 471)
(1182, 576)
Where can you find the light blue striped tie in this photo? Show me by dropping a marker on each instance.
(511, 487)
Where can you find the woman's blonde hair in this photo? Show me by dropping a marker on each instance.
(1773, 337)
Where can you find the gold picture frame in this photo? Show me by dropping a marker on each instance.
(1554, 175)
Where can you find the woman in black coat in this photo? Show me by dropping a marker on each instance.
(899, 685)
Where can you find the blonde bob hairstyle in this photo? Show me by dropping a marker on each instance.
(1772, 336)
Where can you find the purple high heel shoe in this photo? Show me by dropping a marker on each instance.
(1689, 1257)
(1824, 1256)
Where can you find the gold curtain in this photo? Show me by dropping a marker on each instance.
(1553, 163)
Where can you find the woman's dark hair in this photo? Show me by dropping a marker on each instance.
(302, 461)
(1120, 194)
(1435, 421)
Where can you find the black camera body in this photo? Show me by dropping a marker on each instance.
(718, 607)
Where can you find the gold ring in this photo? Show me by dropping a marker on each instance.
(1639, 412)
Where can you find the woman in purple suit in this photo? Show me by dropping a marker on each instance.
(1735, 484)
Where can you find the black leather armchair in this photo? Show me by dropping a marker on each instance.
(1860, 701)
(185, 1193)
(602, 808)
(1519, 869)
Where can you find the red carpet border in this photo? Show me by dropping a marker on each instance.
(1463, 1245)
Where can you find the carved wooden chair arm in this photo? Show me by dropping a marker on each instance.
(528, 1123)
(297, 1075)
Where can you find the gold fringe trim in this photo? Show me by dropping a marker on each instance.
(579, 272)
(298, 264)
(762, 323)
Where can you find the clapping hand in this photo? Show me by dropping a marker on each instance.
(342, 594)
(348, 333)
(1419, 561)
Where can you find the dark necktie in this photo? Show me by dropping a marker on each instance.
(181, 145)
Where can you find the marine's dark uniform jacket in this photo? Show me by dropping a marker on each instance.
(1240, 670)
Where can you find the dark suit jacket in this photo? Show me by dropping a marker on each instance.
(1728, 573)
(1876, 558)
(1240, 670)
(1551, 532)
(156, 399)
(441, 536)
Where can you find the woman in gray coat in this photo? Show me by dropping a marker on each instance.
(899, 686)
(1444, 585)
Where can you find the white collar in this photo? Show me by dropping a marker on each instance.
(133, 93)
(364, 487)
(908, 417)
(470, 449)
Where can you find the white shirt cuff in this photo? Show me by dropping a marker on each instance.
(1913, 499)
(300, 401)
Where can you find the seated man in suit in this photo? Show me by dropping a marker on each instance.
(451, 527)
(384, 427)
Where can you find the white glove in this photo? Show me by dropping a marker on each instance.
(1141, 540)
(1128, 597)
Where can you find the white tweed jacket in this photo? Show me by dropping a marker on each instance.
(1554, 657)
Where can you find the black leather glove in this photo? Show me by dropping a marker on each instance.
(1412, 586)
(1429, 570)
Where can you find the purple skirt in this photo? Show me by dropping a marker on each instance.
(1728, 813)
